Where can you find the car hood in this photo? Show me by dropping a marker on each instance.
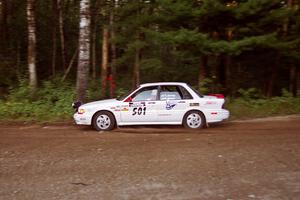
(100, 103)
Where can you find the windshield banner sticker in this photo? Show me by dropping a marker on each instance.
(135, 105)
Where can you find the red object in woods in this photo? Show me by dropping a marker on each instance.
(111, 85)
(219, 96)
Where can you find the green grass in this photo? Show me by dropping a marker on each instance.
(256, 108)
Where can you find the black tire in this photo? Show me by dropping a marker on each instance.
(194, 120)
(103, 121)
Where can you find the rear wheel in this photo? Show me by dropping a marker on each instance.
(103, 121)
(193, 120)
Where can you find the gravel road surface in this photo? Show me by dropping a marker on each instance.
(257, 159)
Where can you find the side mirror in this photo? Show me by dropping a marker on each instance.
(129, 99)
(76, 104)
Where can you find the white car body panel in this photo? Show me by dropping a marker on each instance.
(159, 112)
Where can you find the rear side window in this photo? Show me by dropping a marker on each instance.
(185, 93)
(173, 92)
(169, 93)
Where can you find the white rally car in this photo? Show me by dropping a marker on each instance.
(165, 103)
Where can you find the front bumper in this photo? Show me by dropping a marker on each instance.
(82, 119)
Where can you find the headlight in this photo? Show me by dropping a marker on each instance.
(81, 111)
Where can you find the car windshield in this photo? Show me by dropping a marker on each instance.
(122, 97)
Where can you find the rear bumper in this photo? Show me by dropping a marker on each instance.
(217, 115)
(224, 114)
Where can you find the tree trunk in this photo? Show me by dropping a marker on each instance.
(228, 80)
(227, 65)
(61, 33)
(286, 23)
(113, 49)
(93, 49)
(70, 64)
(215, 59)
(293, 80)
(293, 70)
(104, 65)
(84, 51)
(298, 82)
(54, 38)
(136, 69)
(202, 71)
(94, 11)
(271, 81)
(31, 46)
(18, 62)
(4, 32)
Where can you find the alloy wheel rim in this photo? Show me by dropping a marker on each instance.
(103, 121)
(194, 120)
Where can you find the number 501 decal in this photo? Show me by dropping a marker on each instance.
(139, 111)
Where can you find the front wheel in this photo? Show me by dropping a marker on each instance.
(193, 120)
(103, 121)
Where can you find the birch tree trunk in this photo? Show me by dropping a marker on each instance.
(61, 33)
(93, 49)
(31, 46)
(104, 64)
(84, 51)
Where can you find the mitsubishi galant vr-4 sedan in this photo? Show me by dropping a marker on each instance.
(165, 103)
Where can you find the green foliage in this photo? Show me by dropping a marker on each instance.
(246, 108)
(94, 91)
(53, 102)
(251, 93)
(244, 41)
(204, 85)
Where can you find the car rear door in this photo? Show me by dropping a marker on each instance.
(174, 101)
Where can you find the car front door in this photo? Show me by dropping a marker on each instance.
(141, 107)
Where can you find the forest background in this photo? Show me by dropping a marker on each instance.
(54, 52)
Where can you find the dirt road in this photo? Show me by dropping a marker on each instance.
(230, 161)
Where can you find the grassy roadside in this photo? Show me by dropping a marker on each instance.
(258, 108)
(55, 98)
(61, 110)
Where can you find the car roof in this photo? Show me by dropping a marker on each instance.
(162, 83)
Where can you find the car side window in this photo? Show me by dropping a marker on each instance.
(170, 93)
(185, 93)
(145, 94)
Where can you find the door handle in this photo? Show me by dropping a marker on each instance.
(151, 102)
